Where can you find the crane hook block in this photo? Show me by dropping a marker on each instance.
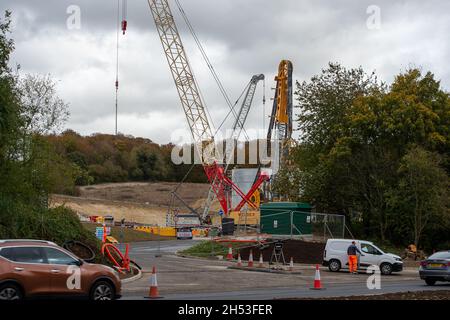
(124, 26)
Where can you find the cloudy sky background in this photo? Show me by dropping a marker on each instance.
(241, 37)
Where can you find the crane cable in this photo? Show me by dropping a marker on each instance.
(264, 105)
(117, 61)
(209, 64)
(120, 26)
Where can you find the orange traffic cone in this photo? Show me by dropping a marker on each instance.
(261, 261)
(153, 292)
(239, 261)
(317, 283)
(250, 259)
(291, 264)
(230, 253)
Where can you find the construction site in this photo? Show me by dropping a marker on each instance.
(260, 226)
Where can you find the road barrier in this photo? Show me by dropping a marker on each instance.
(109, 250)
(169, 231)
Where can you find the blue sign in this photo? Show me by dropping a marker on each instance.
(220, 212)
(99, 233)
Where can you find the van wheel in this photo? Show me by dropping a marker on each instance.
(430, 282)
(10, 291)
(334, 265)
(386, 268)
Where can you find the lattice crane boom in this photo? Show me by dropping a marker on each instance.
(181, 72)
(238, 126)
(190, 98)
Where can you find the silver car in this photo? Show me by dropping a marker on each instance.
(435, 268)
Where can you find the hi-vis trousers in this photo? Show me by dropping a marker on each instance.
(352, 263)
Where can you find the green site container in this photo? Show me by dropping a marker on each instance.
(277, 218)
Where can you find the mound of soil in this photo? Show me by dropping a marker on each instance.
(300, 251)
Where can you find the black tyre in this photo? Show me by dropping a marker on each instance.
(10, 291)
(70, 245)
(386, 269)
(102, 291)
(430, 282)
(334, 265)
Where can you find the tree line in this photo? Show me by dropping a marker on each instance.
(101, 158)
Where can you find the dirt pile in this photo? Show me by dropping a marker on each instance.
(300, 251)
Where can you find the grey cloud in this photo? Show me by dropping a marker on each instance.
(242, 38)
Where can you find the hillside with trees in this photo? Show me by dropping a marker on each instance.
(101, 158)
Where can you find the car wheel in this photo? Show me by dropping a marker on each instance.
(386, 269)
(430, 282)
(10, 291)
(334, 265)
(102, 291)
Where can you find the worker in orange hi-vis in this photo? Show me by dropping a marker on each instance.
(352, 258)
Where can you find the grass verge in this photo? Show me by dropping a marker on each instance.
(206, 249)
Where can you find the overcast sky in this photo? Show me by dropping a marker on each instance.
(241, 37)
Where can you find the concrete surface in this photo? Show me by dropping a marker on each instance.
(197, 279)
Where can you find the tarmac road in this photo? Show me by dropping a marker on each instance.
(200, 279)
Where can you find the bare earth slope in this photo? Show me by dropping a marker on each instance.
(135, 201)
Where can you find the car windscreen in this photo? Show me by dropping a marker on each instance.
(440, 255)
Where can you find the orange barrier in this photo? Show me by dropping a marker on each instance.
(238, 241)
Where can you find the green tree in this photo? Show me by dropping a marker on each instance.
(422, 194)
(150, 162)
(355, 132)
(30, 169)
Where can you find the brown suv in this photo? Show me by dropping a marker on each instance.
(41, 268)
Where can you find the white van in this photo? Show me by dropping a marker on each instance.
(335, 256)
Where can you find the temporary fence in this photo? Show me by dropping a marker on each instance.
(319, 226)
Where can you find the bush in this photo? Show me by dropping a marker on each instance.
(58, 225)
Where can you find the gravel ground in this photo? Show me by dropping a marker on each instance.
(417, 295)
